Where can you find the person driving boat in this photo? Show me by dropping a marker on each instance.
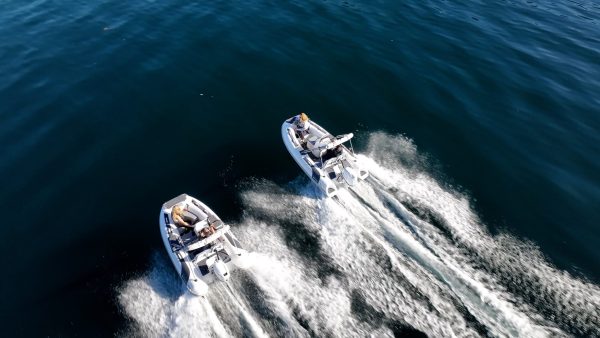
(302, 125)
(180, 219)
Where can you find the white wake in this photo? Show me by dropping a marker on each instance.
(401, 254)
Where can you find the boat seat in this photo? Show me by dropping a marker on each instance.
(190, 217)
(196, 212)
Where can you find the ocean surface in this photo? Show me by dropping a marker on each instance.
(479, 122)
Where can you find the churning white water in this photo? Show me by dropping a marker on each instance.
(400, 254)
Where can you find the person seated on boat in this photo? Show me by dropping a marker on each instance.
(181, 219)
(207, 231)
(302, 126)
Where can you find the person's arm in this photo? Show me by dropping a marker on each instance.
(179, 220)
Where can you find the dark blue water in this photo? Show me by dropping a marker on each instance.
(107, 110)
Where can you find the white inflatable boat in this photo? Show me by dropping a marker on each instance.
(199, 256)
(322, 156)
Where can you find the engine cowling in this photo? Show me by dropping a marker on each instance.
(221, 271)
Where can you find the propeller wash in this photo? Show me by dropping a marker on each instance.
(398, 254)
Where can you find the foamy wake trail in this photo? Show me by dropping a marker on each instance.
(350, 284)
(158, 307)
(401, 255)
(512, 269)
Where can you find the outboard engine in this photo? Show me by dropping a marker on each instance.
(220, 270)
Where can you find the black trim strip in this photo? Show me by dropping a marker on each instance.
(315, 175)
(185, 272)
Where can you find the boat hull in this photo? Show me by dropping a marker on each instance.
(328, 180)
(199, 261)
